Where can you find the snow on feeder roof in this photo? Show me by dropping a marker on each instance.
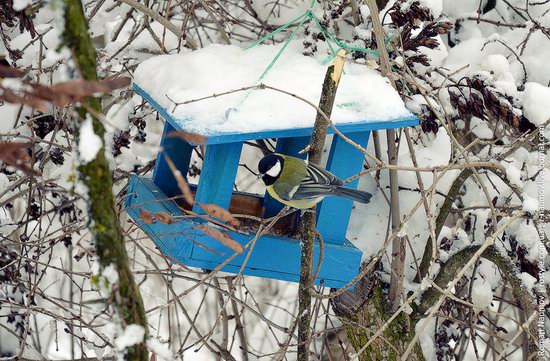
(364, 102)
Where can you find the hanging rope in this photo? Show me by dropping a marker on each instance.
(334, 44)
(330, 38)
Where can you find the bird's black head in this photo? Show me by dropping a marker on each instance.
(270, 168)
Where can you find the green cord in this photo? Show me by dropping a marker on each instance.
(341, 44)
(276, 31)
(305, 18)
(330, 38)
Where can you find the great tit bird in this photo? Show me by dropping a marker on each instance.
(299, 184)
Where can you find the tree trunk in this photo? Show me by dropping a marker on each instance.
(104, 222)
(363, 322)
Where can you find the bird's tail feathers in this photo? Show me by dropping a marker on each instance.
(354, 194)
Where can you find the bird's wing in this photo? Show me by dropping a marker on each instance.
(322, 176)
(304, 181)
(317, 183)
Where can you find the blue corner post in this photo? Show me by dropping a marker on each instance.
(179, 152)
(218, 173)
(344, 161)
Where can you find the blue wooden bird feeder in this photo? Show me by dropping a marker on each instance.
(272, 256)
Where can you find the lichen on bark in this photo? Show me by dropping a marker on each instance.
(362, 324)
(96, 175)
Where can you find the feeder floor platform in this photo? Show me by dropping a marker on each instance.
(269, 256)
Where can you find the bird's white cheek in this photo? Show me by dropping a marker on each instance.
(275, 170)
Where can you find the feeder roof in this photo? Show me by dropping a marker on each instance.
(171, 84)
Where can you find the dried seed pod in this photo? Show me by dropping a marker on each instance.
(428, 121)
(222, 237)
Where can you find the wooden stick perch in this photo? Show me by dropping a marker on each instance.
(308, 232)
